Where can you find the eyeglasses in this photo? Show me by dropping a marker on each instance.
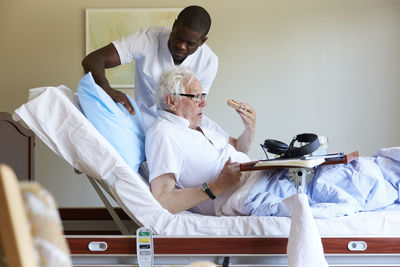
(196, 98)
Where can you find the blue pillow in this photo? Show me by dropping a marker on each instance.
(123, 130)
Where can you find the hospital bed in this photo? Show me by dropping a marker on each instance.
(53, 113)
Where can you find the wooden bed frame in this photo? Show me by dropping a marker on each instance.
(17, 147)
(17, 150)
(246, 251)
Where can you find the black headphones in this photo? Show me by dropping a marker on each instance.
(290, 151)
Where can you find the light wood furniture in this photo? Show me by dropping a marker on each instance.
(15, 233)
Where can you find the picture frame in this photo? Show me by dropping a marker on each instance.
(104, 26)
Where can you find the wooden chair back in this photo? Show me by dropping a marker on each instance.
(16, 238)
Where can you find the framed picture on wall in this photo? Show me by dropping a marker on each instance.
(106, 25)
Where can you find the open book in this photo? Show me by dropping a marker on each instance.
(302, 162)
(306, 163)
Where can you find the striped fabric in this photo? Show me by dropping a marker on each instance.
(365, 184)
(51, 247)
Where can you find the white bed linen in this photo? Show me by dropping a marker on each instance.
(54, 115)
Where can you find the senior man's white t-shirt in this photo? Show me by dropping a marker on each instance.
(193, 157)
(149, 48)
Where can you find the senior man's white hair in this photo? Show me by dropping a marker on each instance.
(173, 81)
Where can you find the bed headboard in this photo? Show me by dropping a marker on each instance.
(17, 147)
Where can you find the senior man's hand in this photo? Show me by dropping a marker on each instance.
(227, 178)
(120, 97)
(248, 116)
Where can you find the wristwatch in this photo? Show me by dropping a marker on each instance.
(207, 190)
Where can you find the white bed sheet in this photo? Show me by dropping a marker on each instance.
(53, 113)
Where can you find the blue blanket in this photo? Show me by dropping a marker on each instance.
(365, 184)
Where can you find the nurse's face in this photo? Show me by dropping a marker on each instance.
(191, 108)
(184, 42)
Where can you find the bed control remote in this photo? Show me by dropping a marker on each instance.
(144, 247)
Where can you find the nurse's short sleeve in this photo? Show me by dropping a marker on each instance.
(163, 155)
(134, 46)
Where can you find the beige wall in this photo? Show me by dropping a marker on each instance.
(329, 67)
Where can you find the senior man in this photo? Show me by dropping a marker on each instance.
(191, 159)
(194, 165)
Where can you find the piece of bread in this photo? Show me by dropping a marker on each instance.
(232, 103)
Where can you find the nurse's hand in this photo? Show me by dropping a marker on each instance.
(96, 62)
(120, 97)
(227, 178)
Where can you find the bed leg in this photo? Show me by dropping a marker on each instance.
(226, 262)
(123, 229)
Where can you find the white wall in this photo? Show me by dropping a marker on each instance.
(329, 67)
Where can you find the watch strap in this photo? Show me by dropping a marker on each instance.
(207, 190)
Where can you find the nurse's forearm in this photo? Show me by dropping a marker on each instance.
(99, 60)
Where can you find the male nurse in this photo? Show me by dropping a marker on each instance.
(155, 49)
